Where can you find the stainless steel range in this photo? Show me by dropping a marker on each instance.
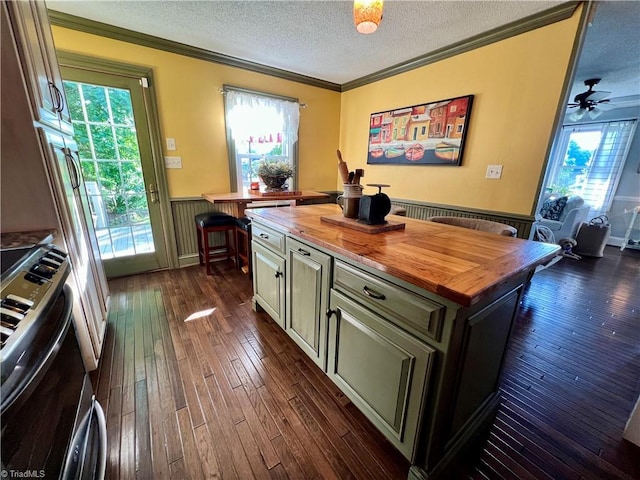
(52, 425)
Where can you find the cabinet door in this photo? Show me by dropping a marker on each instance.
(30, 23)
(486, 335)
(382, 369)
(307, 298)
(82, 198)
(66, 185)
(269, 282)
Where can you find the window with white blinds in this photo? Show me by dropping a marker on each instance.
(589, 161)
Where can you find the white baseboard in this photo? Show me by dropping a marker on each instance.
(193, 259)
(632, 429)
(615, 241)
(188, 260)
(618, 241)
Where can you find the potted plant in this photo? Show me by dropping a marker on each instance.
(275, 173)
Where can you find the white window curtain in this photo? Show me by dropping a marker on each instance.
(253, 121)
(254, 115)
(594, 175)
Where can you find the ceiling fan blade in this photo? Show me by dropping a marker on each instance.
(606, 105)
(626, 101)
(595, 113)
(597, 96)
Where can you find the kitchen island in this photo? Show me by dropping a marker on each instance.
(412, 324)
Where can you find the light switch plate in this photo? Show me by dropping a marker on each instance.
(494, 171)
(173, 162)
(171, 144)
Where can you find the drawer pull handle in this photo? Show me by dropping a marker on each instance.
(330, 313)
(265, 236)
(372, 294)
(278, 274)
(302, 251)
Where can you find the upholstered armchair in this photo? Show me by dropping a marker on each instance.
(562, 214)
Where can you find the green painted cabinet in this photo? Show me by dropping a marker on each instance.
(383, 370)
(269, 281)
(308, 282)
(30, 23)
(422, 368)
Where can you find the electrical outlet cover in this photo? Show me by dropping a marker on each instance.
(173, 162)
(494, 171)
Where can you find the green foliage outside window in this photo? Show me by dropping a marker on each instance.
(577, 156)
(574, 167)
(108, 147)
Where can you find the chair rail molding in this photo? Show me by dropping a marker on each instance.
(184, 209)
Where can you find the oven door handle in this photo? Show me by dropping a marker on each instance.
(102, 431)
(76, 464)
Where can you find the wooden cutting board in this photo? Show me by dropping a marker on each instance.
(360, 226)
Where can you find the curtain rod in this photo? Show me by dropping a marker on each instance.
(225, 89)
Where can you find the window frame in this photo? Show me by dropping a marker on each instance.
(232, 153)
(559, 153)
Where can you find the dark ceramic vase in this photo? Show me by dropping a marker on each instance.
(274, 182)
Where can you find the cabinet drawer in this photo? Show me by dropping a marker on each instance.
(412, 312)
(268, 237)
(307, 251)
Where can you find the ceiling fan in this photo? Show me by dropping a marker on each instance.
(588, 102)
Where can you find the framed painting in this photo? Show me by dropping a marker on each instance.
(427, 134)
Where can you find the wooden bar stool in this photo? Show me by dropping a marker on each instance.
(207, 223)
(243, 243)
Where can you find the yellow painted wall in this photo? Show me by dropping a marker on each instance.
(192, 111)
(517, 85)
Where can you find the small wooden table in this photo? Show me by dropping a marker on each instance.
(241, 199)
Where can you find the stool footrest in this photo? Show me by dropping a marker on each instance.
(207, 223)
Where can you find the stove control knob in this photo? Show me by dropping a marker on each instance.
(42, 270)
(30, 277)
(49, 263)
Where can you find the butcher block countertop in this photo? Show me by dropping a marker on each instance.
(460, 264)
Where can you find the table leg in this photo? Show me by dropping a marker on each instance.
(241, 208)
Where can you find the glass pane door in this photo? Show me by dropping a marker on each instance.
(110, 159)
(110, 124)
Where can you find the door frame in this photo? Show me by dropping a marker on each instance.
(588, 10)
(91, 64)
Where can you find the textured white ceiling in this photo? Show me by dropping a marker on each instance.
(313, 38)
(318, 38)
(611, 51)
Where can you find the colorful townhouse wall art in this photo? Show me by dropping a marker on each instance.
(428, 134)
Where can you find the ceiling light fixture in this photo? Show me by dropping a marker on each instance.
(577, 115)
(367, 15)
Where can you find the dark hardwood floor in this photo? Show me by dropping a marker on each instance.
(572, 375)
(197, 385)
